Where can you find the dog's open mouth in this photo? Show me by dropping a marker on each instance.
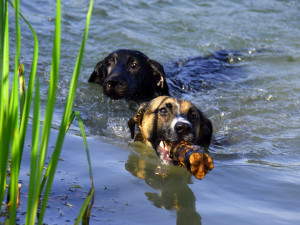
(116, 91)
(163, 150)
(166, 149)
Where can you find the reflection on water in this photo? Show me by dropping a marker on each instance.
(173, 192)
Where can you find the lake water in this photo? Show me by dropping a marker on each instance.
(254, 107)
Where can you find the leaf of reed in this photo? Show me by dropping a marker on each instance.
(49, 168)
(17, 37)
(50, 107)
(52, 89)
(14, 123)
(83, 215)
(28, 98)
(50, 104)
(85, 209)
(33, 186)
(67, 112)
(4, 98)
(27, 104)
(79, 119)
(15, 154)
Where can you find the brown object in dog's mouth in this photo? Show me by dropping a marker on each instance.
(188, 156)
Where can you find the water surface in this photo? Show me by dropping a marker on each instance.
(254, 108)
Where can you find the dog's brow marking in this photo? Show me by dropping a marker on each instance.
(178, 118)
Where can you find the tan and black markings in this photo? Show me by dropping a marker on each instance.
(170, 120)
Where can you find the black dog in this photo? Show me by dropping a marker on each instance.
(130, 74)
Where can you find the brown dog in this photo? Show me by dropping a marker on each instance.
(167, 119)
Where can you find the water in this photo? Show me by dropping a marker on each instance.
(254, 108)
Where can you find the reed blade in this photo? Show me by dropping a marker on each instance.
(33, 186)
(4, 98)
(67, 112)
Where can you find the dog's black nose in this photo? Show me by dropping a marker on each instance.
(113, 83)
(183, 128)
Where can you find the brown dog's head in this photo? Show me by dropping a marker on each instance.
(131, 74)
(170, 120)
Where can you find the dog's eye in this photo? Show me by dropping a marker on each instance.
(163, 111)
(135, 65)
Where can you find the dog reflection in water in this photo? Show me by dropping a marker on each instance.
(168, 120)
(171, 183)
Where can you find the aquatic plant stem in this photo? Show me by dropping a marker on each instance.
(4, 98)
(28, 97)
(13, 127)
(30, 215)
(54, 73)
(67, 112)
(14, 124)
(86, 208)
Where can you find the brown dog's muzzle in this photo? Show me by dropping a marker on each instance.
(183, 128)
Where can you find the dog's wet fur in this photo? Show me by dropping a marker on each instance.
(171, 120)
(130, 74)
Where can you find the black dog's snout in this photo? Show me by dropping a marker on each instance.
(115, 79)
(183, 128)
(113, 83)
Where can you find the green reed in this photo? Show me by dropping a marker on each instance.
(15, 105)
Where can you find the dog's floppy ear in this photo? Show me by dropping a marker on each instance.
(98, 74)
(206, 130)
(159, 75)
(137, 119)
(131, 125)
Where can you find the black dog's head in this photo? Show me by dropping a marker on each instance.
(130, 74)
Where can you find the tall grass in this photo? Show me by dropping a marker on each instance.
(15, 105)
